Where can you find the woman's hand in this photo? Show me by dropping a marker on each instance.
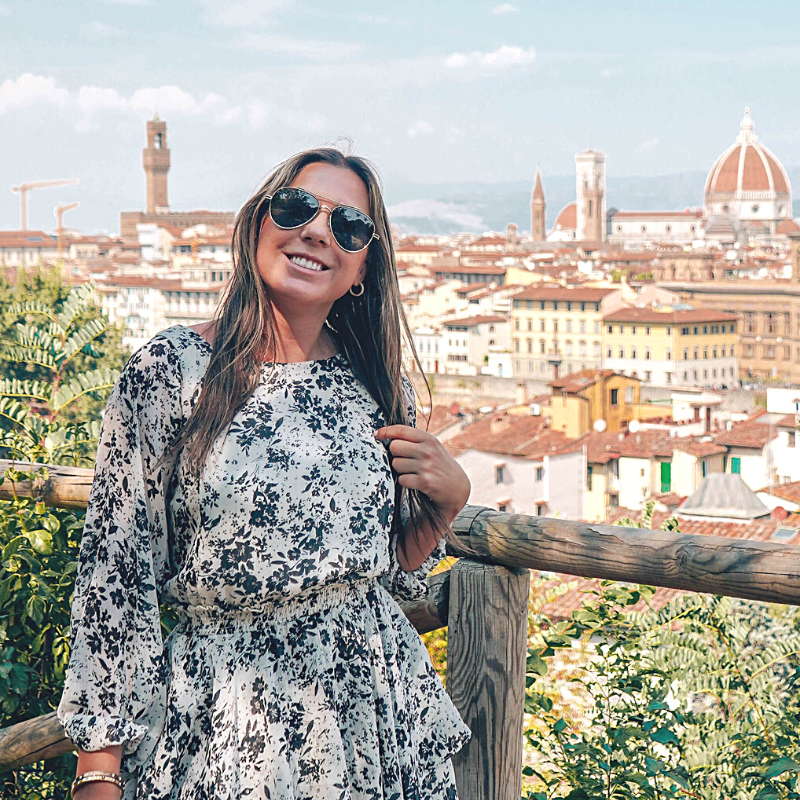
(422, 463)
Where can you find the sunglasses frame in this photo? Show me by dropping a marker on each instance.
(314, 215)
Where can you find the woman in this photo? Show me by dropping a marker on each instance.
(262, 475)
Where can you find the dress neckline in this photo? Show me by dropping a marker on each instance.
(267, 364)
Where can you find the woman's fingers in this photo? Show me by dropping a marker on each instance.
(405, 465)
(405, 432)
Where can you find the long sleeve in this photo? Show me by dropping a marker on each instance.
(412, 585)
(114, 691)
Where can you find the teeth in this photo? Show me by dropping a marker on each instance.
(306, 263)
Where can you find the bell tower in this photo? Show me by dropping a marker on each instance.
(537, 210)
(590, 174)
(155, 159)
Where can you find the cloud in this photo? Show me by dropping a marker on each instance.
(436, 209)
(99, 30)
(5, 11)
(92, 104)
(31, 90)
(419, 128)
(503, 58)
(606, 73)
(129, 2)
(504, 8)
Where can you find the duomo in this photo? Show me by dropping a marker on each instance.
(747, 199)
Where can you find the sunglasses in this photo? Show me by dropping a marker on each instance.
(291, 208)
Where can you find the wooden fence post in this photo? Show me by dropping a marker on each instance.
(487, 636)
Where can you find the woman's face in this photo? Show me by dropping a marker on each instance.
(292, 286)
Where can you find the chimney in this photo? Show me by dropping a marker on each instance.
(500, 422)
(522, 393)
(708, 419)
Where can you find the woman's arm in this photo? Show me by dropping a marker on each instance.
(106, 760)
(422, 463)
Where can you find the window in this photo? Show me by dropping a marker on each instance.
(542, 325)
(597, 326)
(749, 322)
(736, 465)
(666, 477)
(647, 353)
(611, 329)
(499, 473)
(648, 375)
(583, 326)
(609, 352)
(633, 352)
(647, 330)
(530, 324)
(705, 328)
(529, 343)
(597, 349)
(669, 354)
(787, 352)
(704, 468)
(629, 394)
(542, 346)
(685, 353)
(723, 351)
(633, 330)
(614, 396)
(622, 329)
(705, 352)
(589, 478)
(540, 507)
(696, 353)
(791, 438)
(516, 345)
(582, 349)
(569, 326)
(502, 506)
(516, 324)
(769, 351)
(769, 324)
(568, 346)
(540, 473)
(714, 351)
(684, 331)
(622, 352)
(555, 326)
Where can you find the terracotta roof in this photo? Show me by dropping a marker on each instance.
(438, 420)
(472, 321)
(667, 316)
(576, 381)
(785, 491)
(564, 293)
(753, 432)
(787, 226)
(658, 214)
(602, 447)
(523, 436)
(567, 218)
(538, 192)
(475, 269)
(34, 239)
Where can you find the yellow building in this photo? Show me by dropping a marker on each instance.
(669, 346)
(554, 326)
(581, 400)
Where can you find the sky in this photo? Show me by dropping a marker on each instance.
(434, 92)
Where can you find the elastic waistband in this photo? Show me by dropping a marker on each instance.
(226, 618)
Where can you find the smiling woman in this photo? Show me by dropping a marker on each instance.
(262, 474)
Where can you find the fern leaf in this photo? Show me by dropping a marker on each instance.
(93, 381)
(83, 336)
(12, 387)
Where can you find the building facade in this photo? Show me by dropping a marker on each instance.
(667, 347)
(556, 328)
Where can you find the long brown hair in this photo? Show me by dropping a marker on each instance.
(368, 328)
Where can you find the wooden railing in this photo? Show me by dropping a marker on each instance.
(483, 601)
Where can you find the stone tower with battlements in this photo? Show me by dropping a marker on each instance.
(155, 159)
(537, 210)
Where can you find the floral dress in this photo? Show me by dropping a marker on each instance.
(292, 673)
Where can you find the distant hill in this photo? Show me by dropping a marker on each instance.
(476, 207)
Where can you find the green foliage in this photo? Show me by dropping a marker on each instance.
(60, 358)
(38, 559)
(700, 699)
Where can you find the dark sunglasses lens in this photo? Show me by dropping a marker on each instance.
(291, 208)
(352, 228)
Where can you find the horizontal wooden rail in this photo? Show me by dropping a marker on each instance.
(752, 570)
(65, 487)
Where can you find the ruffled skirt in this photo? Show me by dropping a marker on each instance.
(329, 696)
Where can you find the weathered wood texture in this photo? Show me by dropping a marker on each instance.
(486, 650)
(744, 568)
(65, 487)
(31, 741)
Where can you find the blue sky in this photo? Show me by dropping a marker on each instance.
(433, 92)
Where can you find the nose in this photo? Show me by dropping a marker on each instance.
(318, 229)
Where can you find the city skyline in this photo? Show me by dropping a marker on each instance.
(467, 93)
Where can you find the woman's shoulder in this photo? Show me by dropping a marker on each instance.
(174, 355)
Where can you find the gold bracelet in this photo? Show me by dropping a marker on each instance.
(96, 775)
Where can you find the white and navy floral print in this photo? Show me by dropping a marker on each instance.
(292, 673)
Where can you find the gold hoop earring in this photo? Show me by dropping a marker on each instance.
(357, 294)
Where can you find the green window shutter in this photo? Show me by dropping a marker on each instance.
(666, 476)
(736, 465)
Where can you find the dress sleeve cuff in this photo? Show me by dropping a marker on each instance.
(91, 732)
